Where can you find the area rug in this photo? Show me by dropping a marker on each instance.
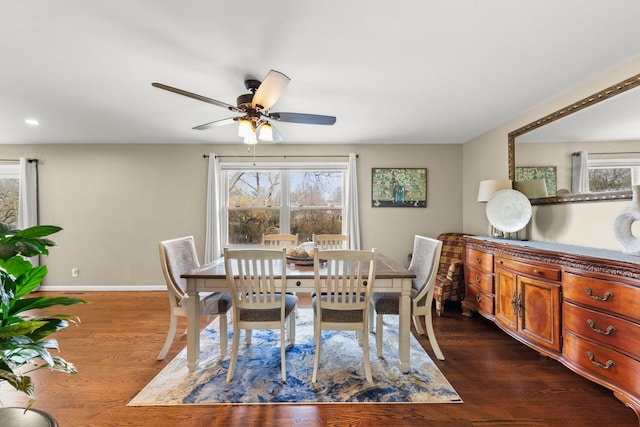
(257, 378)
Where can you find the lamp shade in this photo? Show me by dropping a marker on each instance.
(532, 188)
(265, 132)
(490, 186)
(245, 129)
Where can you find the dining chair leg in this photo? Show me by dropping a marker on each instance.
(365, 351)
(224, 324)
(292, 329)
(234, 351)
(283, 362)
(417, 324)
(379, 335)
(316, 356)
(432, 337)
(173, 325)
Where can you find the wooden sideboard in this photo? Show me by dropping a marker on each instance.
(580, 306)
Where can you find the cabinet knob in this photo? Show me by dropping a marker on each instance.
(537, 272)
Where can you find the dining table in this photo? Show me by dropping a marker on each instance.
(390, 277)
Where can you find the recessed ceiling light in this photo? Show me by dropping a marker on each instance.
(32, 122)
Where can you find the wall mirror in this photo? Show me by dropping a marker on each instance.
(604, 126)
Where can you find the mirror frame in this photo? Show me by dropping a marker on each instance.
(603, 95)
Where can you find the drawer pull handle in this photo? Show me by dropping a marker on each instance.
(606, 296)
(609, 364)
(500, 262)
(479, 260)
(478, 298)
(537, 272)
(478, 279)
(592, 325)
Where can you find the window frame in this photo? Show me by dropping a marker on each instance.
(285, 207)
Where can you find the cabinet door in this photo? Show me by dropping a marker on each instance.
(540, 313)
(506, 298)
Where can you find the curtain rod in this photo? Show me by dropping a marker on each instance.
(577, 153)
(284, 156)
(17, 160)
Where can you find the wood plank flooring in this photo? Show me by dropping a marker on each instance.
(502, 382)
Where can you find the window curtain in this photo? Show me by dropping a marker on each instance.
(28, 197)
(351, 223)
(579, 172)
(213, 238)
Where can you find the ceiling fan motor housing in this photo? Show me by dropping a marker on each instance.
(244, 101)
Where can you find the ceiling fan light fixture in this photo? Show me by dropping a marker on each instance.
(245, 129)
(251, 139)
(265, 132)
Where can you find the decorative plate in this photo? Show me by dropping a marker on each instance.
(509, 210)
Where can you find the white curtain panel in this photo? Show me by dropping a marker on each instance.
(580, 173)
(213, 236)
(351, 224)
(28, 197)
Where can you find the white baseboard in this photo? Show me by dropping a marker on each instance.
(103, 288)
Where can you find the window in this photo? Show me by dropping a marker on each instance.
(303, 199)
(613, 174)
(9, 192)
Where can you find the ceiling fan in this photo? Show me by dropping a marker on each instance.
(254, 123)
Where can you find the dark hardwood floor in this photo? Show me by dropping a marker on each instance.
(502, 382)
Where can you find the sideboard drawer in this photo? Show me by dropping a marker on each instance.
(480, 279)
(603, 328)
(483, 300)
(480, 260)
(532, 270)
(607, 295)
(603, 362)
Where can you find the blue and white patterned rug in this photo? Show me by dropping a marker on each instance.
(340, 375)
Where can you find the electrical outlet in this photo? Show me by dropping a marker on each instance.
(75, 272)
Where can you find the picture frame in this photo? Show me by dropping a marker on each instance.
(399, 187)
(548, 173)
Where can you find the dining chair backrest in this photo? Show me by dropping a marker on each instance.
(424, 264)
(331, 241)
(279, 241)
(177, 256)
(350, 276)
(255, 277)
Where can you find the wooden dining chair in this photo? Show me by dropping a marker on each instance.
(342, 300)
(279, 241)
(424, 264)
(331, 241)
(178, 256)
(257, 282)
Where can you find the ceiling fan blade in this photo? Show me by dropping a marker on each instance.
(198, 97)
(222, 122)
(270, 90)
(312, 119)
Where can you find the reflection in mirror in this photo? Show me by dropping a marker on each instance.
(596, 138)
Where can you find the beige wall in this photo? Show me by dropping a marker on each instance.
(115, 202)
(485, 157)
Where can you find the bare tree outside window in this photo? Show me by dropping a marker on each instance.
(9, 188)
(609, 179)
(313, 203)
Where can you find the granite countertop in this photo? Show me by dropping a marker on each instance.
(560, 247)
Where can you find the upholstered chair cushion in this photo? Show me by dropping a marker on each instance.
(450, 276)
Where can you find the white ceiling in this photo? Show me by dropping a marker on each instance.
(405, 71)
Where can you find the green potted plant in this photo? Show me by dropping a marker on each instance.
(25, 341)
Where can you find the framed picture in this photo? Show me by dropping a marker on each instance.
(548, 173)
(399, 187)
